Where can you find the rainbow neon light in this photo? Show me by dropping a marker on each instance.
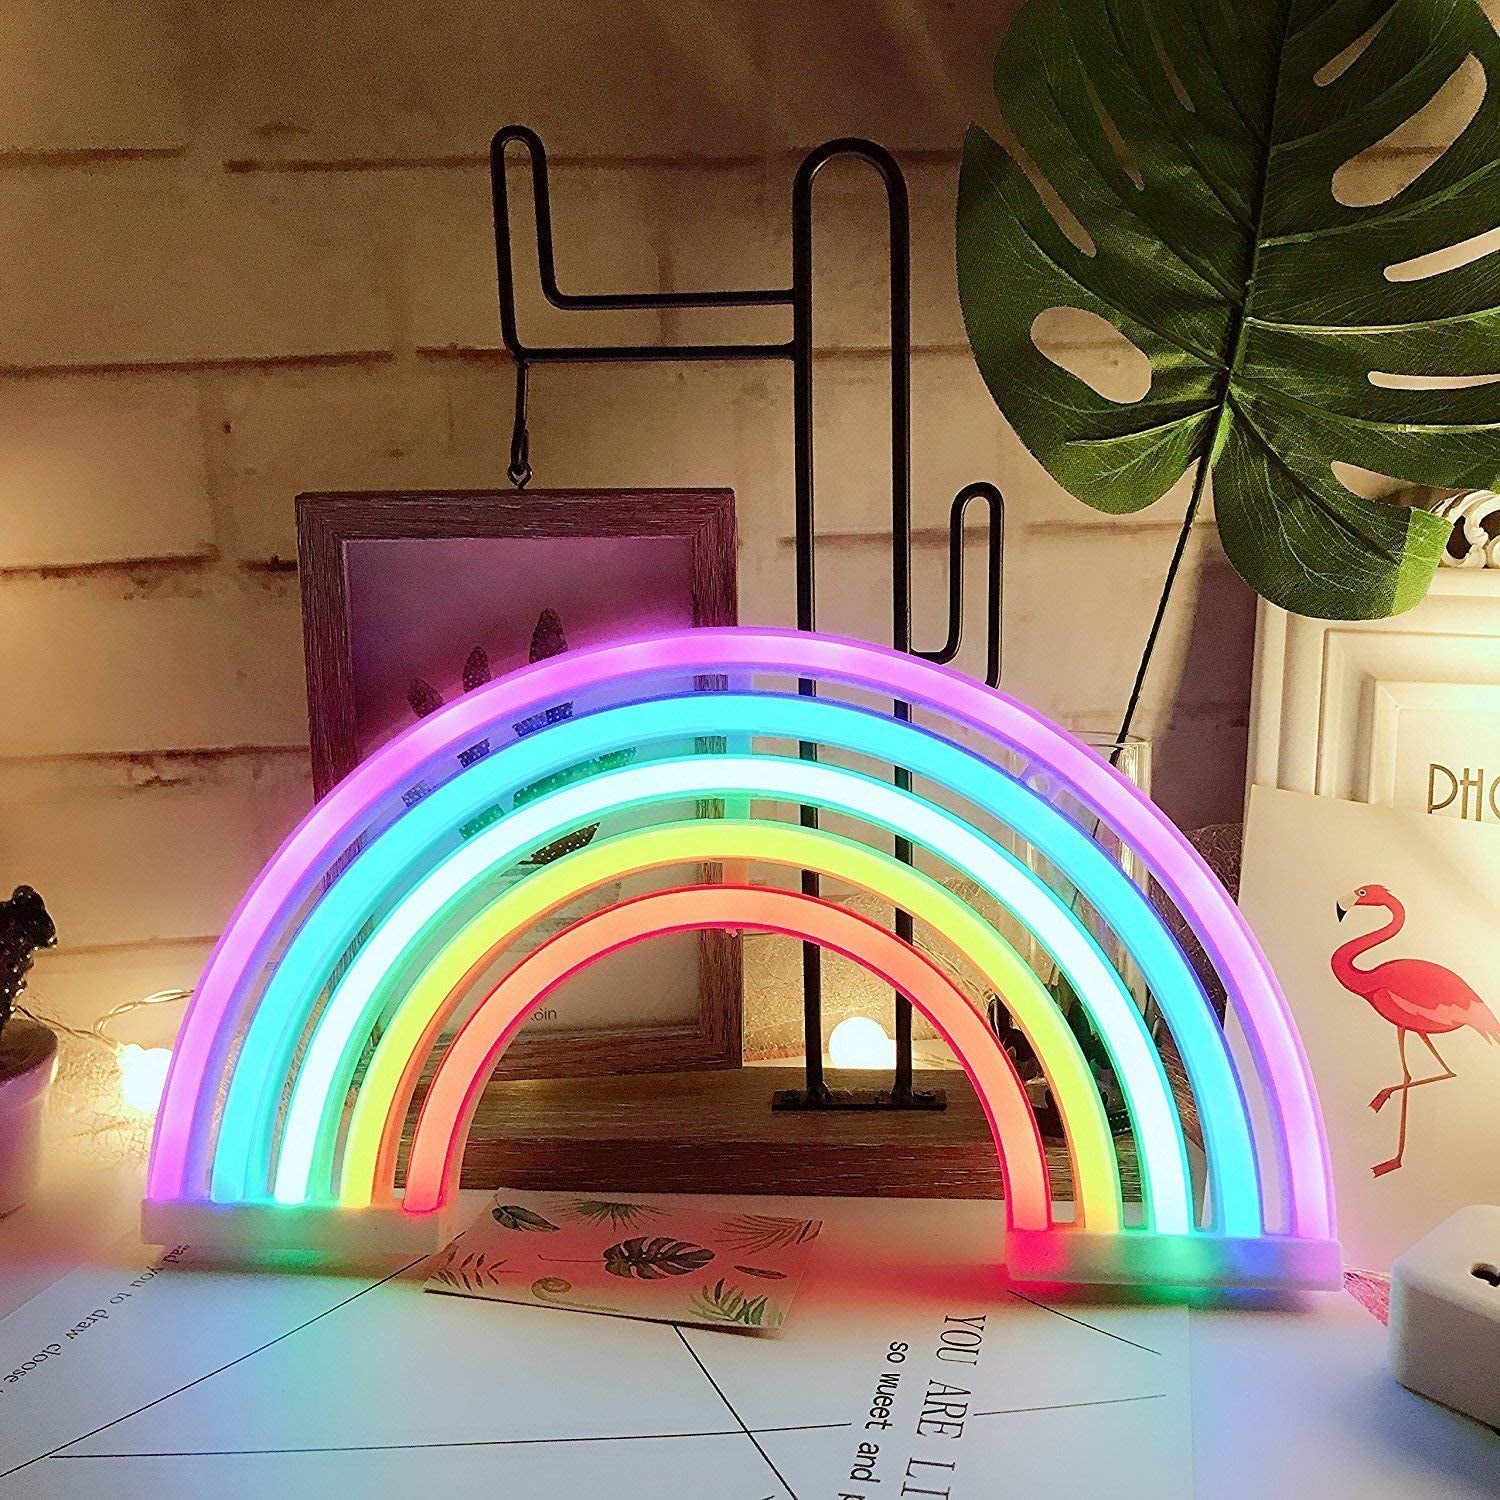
(312, 970)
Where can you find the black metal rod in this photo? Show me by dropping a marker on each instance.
(519, 469)
(546, 261)
(995, 577)
(898, 219)
(605, 354)
(803, 482)
(799, 297)
(898, 214)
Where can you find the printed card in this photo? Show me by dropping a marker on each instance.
(675, 1260)
(1381, 926)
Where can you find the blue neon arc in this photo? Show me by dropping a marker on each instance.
(332, 925)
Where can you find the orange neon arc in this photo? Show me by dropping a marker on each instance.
(448, 1111)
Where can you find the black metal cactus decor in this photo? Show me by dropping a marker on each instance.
(25, 926)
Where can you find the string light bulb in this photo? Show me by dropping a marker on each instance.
(110, 1090)
(143, 1070)
(143, 1076)
(861, 1042)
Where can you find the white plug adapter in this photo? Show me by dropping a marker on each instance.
(1445, 1314)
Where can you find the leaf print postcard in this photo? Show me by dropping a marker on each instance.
(672, 1259)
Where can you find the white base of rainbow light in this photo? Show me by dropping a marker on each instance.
(1138, 1258)
(250, 1231)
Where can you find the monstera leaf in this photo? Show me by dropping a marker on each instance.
(651, 1259)
(1192, 145)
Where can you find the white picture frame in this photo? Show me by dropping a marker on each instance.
(1343, 708)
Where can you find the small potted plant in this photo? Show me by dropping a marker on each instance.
(28, 1050)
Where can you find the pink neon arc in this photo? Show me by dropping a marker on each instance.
(448, 1110)
(184, 1138)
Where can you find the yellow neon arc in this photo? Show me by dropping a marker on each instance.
(383, 1100)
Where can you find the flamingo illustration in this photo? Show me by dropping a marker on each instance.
(1413, 995)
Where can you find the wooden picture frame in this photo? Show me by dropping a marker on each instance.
(478, 554)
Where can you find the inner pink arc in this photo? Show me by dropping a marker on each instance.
(448, 1110)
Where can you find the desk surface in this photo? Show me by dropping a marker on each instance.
(1283, 1402)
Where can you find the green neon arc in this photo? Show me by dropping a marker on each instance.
(381, 972)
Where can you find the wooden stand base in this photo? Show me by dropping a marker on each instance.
(715, 1132)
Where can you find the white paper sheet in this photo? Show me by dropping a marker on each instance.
(197, 1382)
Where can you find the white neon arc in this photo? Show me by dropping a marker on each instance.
(355, 1002)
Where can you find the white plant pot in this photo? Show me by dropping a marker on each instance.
(28, 1063)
